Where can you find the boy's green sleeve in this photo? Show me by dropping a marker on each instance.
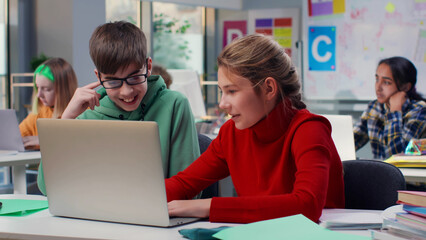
(40, 179)
(184, 147)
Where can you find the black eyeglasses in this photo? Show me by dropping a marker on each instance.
(110, 83)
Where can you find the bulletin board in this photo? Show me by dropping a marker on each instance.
(282, 25)
(345, 39)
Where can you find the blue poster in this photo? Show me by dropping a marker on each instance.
(322, 48)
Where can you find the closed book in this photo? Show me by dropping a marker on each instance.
(416, 198)
(407, 160)
(403, 156)
(385, 234)
(412, 220)
(416, 210)
(396, 227)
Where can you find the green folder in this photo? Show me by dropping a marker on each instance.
(296, 227)
(21, 207)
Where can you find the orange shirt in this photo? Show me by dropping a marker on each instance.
(28, 126)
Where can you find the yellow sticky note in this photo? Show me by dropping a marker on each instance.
(390, 7)
(338, 6)
(282, 32)
(284, 42)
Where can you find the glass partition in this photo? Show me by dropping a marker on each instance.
(178, 36)
(123, 10)
(3, 56)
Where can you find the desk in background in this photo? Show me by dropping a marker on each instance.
(414, 174)
(18, 162)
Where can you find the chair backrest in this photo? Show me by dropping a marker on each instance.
(212, 190)
(187, 82)
(204, 142)
(371, 184)
(342, 135)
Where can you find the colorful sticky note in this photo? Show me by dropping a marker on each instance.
(21, 207)
(390, 7)
(318, 7)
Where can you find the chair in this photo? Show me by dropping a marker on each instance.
(212, 190)
(371, 184)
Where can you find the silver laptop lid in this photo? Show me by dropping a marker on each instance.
(342, 135)
(10, 135)
(104, 170)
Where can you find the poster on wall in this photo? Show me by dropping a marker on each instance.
(233, 30)
(282, 25)
(325, 7)
(322, 48)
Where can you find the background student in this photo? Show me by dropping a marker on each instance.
(157, 69)
(397, 115)
(129, 92)
(54, 84)
(281, 157)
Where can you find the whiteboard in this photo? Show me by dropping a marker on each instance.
(365, 33)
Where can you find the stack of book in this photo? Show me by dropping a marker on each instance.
(407, 160)
(410, 223)
(414, 155)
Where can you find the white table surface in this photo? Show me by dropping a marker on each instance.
(42, 225)
(18, 162)
(414, 174)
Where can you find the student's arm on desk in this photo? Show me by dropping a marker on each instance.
(31, 142)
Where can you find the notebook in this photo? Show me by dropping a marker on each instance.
(105, 170)
(10, 135)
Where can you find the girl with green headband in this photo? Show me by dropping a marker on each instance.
(54, 84)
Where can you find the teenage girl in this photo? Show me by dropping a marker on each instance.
(397, 115)
(54, 84)
(280, 156)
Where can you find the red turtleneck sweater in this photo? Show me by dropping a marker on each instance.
(284, 165)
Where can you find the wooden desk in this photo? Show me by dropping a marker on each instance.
(18, 163)
(42, 225)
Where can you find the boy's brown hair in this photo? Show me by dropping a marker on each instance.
(117, 45)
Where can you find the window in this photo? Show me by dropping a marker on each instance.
(178, 36)
(123, 10)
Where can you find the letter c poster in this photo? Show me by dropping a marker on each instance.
(322, 48)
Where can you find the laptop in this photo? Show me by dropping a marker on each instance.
(342, 135)
(105, 170)
(10, 135)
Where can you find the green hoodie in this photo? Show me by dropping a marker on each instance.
(172, 112)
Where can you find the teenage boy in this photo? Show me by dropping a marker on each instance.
(129, 92)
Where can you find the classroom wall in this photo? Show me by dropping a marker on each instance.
(66, 32)
(243, 14)
(54, 30)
